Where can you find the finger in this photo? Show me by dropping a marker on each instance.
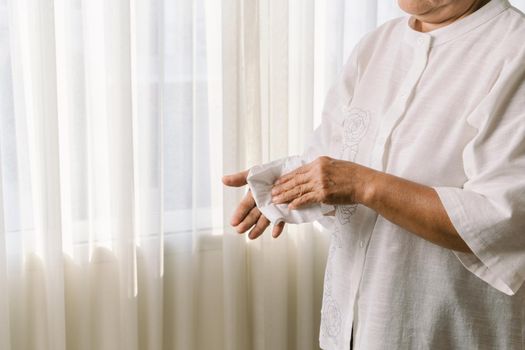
(235, 180)
(307, 199)
(259, 228)
(292, 194)
(246, 204)
(278, 229)
(250, 220)
(299, 179)
(287, 177)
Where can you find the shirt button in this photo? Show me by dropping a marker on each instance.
(361, 244)
(420, 41)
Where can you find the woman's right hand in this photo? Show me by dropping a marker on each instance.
(247, 216)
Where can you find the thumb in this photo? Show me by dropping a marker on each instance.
(235, 180)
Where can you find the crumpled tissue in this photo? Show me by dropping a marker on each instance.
(261, 179)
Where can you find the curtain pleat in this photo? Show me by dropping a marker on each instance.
(35, 102)
(5, 327)
(237, 325)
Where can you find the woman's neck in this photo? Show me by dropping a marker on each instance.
(428, 22)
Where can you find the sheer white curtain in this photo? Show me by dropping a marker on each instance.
(117, 120)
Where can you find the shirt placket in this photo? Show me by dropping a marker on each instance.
(395, 113)
(378, 159)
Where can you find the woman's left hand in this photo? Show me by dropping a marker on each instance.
(325, 180)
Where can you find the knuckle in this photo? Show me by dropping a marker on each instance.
(323, 160)
(255, 214)
(323, 164)
(244, 208)
(263, 222)
(301, 201)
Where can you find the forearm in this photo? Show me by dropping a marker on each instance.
(412, 206)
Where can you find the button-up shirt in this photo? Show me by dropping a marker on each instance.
(445, 109)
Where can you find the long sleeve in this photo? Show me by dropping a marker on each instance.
(489, 211)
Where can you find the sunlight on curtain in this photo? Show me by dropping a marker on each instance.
(111, 160)
(117, 120)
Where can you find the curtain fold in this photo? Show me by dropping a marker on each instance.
(117, 120)
(5, 327)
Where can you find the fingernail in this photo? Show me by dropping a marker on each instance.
(276, 199)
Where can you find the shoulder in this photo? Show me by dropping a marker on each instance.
(378, 41)
(515, 17)
(389, 32)
(508, 34)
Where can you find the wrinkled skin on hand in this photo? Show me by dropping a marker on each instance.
(325, 180)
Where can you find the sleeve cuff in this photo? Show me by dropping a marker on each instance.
(485, 262)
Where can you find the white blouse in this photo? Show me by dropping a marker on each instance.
(445, 109)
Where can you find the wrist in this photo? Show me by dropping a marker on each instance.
(368, 188)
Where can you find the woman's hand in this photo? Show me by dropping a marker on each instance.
(247, 216)
(412, 206)
(324, 180)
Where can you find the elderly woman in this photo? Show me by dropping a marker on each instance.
(422, 153)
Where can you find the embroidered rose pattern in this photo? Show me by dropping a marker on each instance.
(355, 125)
(345, 212)
(331, 318)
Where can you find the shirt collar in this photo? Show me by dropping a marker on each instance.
(457, 28)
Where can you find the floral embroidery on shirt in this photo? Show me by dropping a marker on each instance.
(331, 317)
(328, 281)
(330, 312)
(350, 151)
(336, 239)
(355, 125)
(335, 244)
(345, 212)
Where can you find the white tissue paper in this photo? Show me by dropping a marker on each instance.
(261, 179)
